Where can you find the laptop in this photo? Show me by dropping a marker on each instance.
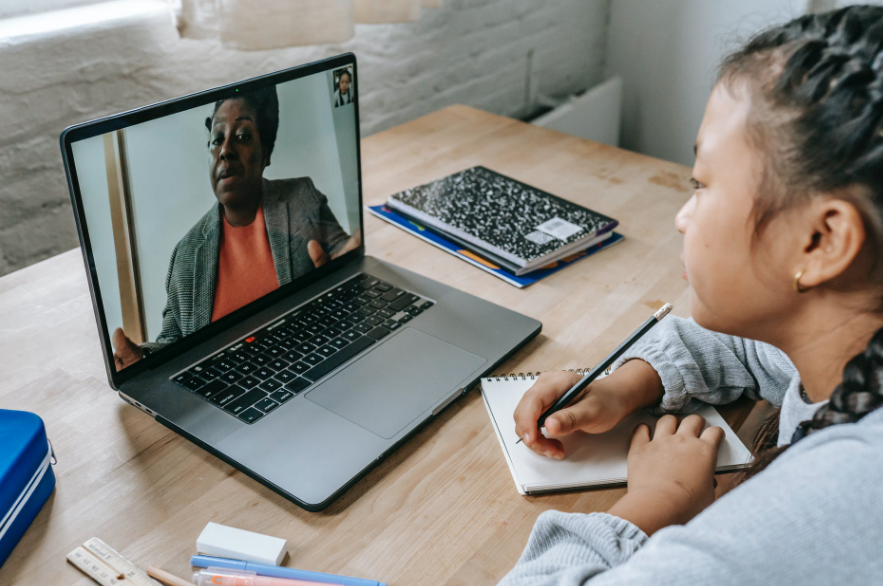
(223, 239)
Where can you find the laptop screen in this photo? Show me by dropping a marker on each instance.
(196, 214)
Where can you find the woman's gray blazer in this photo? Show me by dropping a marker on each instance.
(295, 212)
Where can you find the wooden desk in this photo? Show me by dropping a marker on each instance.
(443, 508)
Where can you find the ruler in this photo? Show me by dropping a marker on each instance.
(89, 565)
(107, 566)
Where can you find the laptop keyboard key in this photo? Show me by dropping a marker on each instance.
(270, 385)
(292, 356)
(263, 373)
(299, 367)
(312, 359)
(401, 303)
(326, 350)
(363, 328)
(339, 343)
(284, 376)
(392, 294)
(297, 385)
(211, 389)
(378, 332)
(231, 377)
(246, 367)
(194, 383)
(245, 401)
(250, 415)
(336, 360)
(278, 364)
(281, 395)
(266, 404)
(224, 365)
(212, 373)
(352, 335)
(248, 382)
(230, 393)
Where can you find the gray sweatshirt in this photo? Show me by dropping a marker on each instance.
(814, 516)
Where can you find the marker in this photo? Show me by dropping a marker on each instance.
(585, 381)
(207, 561)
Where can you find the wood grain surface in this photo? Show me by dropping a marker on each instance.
(442, 509)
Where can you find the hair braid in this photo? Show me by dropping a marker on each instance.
(819, 80)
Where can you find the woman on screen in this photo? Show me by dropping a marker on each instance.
(261, 235)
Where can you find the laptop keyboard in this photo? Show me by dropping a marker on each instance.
(270, 366)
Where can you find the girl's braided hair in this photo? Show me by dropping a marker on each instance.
(817, 112)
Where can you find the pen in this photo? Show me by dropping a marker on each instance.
(207, 561)
(225, 577)
(585, 381)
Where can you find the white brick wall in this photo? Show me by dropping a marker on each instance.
(470, 51)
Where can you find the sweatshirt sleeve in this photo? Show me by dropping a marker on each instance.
(811, 518)
(700, 366)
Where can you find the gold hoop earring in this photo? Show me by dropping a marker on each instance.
(796, 283)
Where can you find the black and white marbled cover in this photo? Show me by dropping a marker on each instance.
(499, 214)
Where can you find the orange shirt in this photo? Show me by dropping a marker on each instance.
(245, 266)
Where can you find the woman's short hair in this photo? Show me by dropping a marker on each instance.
(265, 104)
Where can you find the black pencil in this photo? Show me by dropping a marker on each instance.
(585, 381)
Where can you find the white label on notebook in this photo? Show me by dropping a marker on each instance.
(559, 228)
(538, 237)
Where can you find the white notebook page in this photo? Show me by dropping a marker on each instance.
(590, 460)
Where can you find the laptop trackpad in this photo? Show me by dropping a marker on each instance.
(389, 387)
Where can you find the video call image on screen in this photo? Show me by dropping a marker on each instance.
(194, 215)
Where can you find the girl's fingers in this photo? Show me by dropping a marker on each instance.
(666, 425)
(640, 436)
(547, 447)
(713, 435)
(691, 425)
(537, 398)
(570, 419)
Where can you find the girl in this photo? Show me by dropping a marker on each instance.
(782, 246)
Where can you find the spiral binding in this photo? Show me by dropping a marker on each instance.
(533, 375)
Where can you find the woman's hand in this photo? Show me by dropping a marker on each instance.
(320, 257)
(597, 409)
(671, 477)
(126, 352)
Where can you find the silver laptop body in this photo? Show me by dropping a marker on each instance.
(305, 419)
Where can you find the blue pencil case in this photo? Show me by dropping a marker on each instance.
(26, 477)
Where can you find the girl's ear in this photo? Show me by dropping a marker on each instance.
(833, 240)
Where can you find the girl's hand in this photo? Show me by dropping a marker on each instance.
(597, 409)
(671, 477)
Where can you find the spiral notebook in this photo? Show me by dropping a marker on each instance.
(591, 460)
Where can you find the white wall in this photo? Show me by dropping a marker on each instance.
(667, 52)
(110, 57)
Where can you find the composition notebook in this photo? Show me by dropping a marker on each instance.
(591, 459)
(500, 216)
